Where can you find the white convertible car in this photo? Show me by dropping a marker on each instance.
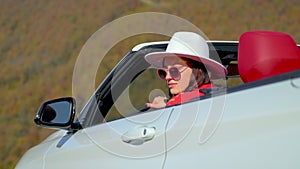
(250, 120)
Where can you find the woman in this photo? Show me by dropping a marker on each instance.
(186, 67)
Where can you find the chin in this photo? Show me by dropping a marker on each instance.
(174, 91)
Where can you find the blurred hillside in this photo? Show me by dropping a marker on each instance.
(40, 41)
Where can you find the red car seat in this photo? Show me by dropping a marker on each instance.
(263, 54)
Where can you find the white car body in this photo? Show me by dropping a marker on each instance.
(255, 125)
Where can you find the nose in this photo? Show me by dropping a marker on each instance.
(168, 76)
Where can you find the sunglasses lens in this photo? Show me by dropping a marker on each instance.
(162, 73)
(174, 73)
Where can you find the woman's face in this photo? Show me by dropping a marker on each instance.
(178, 86)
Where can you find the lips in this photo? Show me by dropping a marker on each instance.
(171, 85)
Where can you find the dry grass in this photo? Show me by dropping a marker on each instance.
(40, 40)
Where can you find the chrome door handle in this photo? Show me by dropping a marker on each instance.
(139, 135)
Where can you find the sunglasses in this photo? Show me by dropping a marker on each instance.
(175, 73)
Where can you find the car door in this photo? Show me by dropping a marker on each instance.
(253, 126)
(133, 142)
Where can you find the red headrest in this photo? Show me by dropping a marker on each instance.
(263, 54)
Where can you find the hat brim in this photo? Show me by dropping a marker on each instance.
(216, 69)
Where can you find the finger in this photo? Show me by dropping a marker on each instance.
(149, 104)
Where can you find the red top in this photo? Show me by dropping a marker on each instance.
(187, 96)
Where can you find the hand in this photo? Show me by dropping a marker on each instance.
(158, 102)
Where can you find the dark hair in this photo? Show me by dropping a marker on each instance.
(199, 72)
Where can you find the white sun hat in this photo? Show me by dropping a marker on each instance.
(188, 45)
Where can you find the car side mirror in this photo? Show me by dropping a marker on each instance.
(58, 113)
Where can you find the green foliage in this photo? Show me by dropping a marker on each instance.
(40, 40)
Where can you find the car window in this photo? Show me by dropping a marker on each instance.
(139, 92)
(124, 90)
